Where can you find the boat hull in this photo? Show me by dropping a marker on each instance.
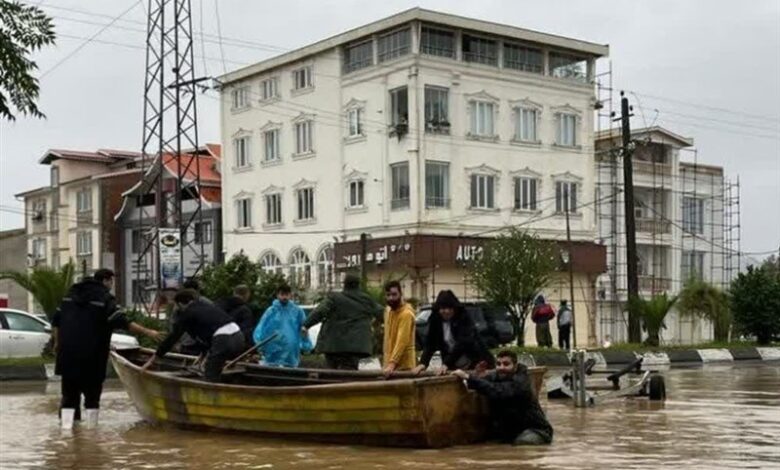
(427, 412)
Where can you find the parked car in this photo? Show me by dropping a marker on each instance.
(494, 324)
(23, 334)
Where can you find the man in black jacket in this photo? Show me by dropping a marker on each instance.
(81, 330)
(207, 324)
(515, 413)
(451, 332)
(237, 307)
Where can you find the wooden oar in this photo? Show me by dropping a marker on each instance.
(245, 353)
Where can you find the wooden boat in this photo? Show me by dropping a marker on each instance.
(354, 407)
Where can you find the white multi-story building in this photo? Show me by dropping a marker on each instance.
(426, 131)
(681, 228)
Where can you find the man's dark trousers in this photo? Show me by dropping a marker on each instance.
(342, 361)
(224, 348)
(564, 337)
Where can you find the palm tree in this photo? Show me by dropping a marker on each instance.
(48, 286)
(653, 313)
(699, 298)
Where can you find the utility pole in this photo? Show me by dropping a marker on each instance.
(634, 333)
(363, 253)
(571, 270)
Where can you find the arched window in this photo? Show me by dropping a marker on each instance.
(271, 263)
(300, 269)
(325, 268)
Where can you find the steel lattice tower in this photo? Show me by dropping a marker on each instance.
(170, 145)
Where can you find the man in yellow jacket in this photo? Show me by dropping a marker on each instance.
(398, 348)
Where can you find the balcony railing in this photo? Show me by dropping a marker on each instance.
(401, 203)
(654, 284)
(437, 202)
(653, 226)
(663, 169)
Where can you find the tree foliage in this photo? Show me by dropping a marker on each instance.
(218, 281)
(48, 286)
(755, 301)
(652, 314)
(512, 270)
(701, 299)
(23, 30)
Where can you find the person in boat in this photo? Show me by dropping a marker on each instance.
(81, 332)
(541, 315)
(346, 317)
(237, 307)
(208, 325)
(398, 346)
(454, 335)
(285, 319)
(187, 344)
(515, 414)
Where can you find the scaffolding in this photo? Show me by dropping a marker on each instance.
(688, 222)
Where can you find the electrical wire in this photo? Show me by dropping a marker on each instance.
(88, 40)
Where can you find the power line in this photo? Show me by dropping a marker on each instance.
(219, 36)
(88, 40)
(714, 108)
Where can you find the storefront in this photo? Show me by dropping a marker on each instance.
(426, 264)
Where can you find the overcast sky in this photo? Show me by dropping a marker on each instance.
(710, 68)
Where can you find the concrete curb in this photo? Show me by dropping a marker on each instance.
(36, 372)
(683, 356)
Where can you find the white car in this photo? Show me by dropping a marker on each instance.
(25, 335)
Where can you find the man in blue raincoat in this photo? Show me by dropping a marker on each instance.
(285, 319)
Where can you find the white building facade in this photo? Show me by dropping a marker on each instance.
(419, 125)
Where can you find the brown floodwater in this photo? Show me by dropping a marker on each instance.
(715, 417)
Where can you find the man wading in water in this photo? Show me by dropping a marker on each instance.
(515, 414)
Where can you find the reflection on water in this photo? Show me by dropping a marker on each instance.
(716, 417)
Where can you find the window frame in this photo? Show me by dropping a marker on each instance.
(84, 200)
(475, 125)
(562, 202)
(356, 198)
(268, 265)
(269, 84)
(394, 51)
(241, 152)
(433, 51)
(305, 199)
(560, 127)
(84, 243)
(442, 170)
(520, 65)
(273, 199)
(693, 209)
(471, 57)
(526, 187)
(273, 145)
(396, 116)
(432, 108)
(203, 232)
(239, 98)
(355, 122)
(304, 137)
(244, 213)
(520, 121)
(363, 62)
(307, 83)
(397, 199)
(480, 195)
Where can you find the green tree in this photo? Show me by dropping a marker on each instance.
(699, 298)
(652, 314)
(218, 281)
(48, 286)
(23, 30)
(755, 301)
(511, 271)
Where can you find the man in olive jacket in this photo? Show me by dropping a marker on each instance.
(346, 334)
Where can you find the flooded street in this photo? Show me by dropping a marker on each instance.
(715, 417)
